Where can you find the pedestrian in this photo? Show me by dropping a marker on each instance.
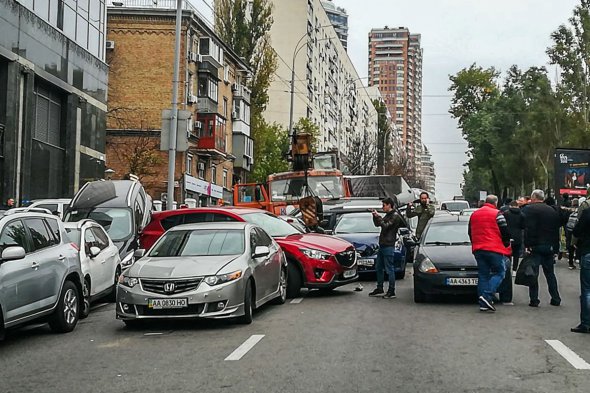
(424, 211)
(490, 244)
(584, 203)
(9, 204)
(541, 235)
(566, 201)
(572, 253)
(515, 221)
(389, 224)
(582, 233)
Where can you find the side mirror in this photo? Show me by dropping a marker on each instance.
(13, 253)
(139, 253)
(261, 251)
(94, 251)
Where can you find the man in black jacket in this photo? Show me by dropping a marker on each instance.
(389, 225)
(541, 237)
(582, 233)
(515, 222)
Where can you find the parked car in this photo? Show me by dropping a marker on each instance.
(296, 222)
(315, 260)
(444, 263)
(467, 212)
(99, 259)
(356, 227)
(211, 270)
(40, 274)
(455, 206)
(57, 207)
(122, 207)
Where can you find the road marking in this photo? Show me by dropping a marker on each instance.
(245, 347)
(573, 358)
(153, 334)
(297, 300)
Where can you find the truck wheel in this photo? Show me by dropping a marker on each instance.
(294, 280)
(66, 314)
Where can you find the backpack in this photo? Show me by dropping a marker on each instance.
(571, 222)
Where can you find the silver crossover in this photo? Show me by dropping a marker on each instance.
(208, 270)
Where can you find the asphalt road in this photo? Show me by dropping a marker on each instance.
(339, 342)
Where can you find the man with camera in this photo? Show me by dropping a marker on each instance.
(424, 211)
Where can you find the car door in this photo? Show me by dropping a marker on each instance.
(18, 279)
(111, 257)
(48, 259)
(268, 268)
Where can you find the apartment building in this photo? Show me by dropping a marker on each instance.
(328, 89)
(339, 19)
(53, 92)
(212, 87)
(428, 174)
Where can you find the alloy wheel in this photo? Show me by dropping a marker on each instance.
(283, 284)
(70, 306)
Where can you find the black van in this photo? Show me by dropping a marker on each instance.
(122, 207)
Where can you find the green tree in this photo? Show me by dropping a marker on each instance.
(384, 156)
(306, 125)
(270, 151)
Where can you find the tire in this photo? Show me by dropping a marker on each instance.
(85, 309)
(66, 314)
(419, 296)
(113, 295)
(294, 280)
(282, 298)
(246, 319)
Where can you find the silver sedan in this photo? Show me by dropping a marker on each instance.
(208, 270)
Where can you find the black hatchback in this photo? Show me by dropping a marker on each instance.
(444, 263)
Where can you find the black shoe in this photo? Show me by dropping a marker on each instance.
(572, 267)
(487, 304)
(534, 304)
(555, 303)
(581, 329)
(377, 292)
(389, 295)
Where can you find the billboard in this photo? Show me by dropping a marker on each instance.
(572, 171)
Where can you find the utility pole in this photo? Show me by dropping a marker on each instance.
(174, 115)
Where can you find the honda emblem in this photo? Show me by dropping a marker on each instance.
(169, 287)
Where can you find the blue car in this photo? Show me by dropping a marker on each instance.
(357, 228)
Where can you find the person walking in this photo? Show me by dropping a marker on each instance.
(389, 224)
(582, 232)
(572, 219)
(490, 244)
(515, 222)
(541, 235)
(424, 211)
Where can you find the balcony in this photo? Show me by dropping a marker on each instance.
(212, 136)
(243, 148)
(206, 105)
(241, 92)
(211, 52)
(206, 67)
(240, 127)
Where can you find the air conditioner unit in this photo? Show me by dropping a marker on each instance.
(192, 99)
(110, 44)
(234, 115)
(198, 125)
(193, 57)
(234, 87)
(199, 58)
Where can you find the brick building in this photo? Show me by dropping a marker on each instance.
(211, 86)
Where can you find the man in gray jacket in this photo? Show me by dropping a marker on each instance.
(424, 211)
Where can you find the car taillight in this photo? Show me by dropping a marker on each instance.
(75, 246)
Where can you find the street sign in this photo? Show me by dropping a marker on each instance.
(483, 195)
(182, 129)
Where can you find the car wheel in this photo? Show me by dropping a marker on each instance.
(419, 296)
(282, 298)
(85, 309)
(113, 295)
(294, 280)
(246, 319)
(65, 316)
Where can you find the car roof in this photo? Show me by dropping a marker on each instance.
(15, 213)
(444, 218)
(52, 200)
(235, 225)
(225, 209)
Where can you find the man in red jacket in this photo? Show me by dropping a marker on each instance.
(490, 244)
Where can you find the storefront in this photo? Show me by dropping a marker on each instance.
(206, 194)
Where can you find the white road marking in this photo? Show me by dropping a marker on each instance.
(245, 347)
(573, 358)
(297, 300)
(153, 334)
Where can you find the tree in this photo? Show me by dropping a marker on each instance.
(362, 157)
(306, 125)
(384, 128)
(139, 154)
(271, 150)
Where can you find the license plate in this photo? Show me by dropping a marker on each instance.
(365, 262)
(466, 281)
(158, 304)
(349, 273)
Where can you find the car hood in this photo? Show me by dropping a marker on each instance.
(317, 241)
(179, 267)
(362, 241)
(449, 256)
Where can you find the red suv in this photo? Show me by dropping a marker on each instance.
(315, 261)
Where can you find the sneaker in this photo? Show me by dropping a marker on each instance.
(487, 304)
(555, 303)
(507, 303)
(581, 329)
(534, 304)
(484, 309)
(389, 295)
(377, 292)
(572, 267)
(513, 273)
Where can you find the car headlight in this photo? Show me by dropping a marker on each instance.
(426, 266)
(223, 278)
(128, 281)
(315, 254)
(128, 260)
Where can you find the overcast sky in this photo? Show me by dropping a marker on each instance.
(455, 34)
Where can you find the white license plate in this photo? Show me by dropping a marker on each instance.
(365, 262)
(466, 281)
(158, 304)
(349, 273)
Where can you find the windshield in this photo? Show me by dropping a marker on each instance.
(454, 206)
(275, 227)
(447, 233)
(115, 220)
(200, 243)
(356, 223)
(322, 186)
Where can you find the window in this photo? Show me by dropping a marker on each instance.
(101, 238)
(213, 174)
(225, 107)
(51, 207)
(225, 178)
(254, 241)
(39, 234)
(48, 117)
(14, 235)
(54, 229)
(172, 221)
(195, 218)
(263, 238)
(201, 170)
(189, 164)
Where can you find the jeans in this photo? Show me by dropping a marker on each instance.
(505, 288)
(491, 269)
(385, 262)
(585, 290)
(543, 257)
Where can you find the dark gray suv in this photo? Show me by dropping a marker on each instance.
(40, 275)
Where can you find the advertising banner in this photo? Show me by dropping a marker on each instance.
(572, 171)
